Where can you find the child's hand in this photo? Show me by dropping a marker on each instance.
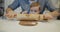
(24, 12)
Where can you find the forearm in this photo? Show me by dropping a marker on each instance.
(54, 13)
(8, 9)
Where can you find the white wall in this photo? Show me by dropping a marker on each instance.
(56, 3)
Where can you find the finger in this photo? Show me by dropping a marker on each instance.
(9, 16)
(6, 15)
(50, 17)
(15, 15)
(12, 16)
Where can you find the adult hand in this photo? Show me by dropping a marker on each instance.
(48, 16)
(10, 13)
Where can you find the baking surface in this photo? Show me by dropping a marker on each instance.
(13, 26)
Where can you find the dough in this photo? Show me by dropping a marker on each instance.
(28, 23)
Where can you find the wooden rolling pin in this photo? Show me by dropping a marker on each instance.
(27, 17)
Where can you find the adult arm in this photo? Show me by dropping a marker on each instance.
(51, 8)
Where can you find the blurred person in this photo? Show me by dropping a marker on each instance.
(34, 8)
(25, 5)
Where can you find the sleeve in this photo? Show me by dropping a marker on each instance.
(14, 5)
(50, 6)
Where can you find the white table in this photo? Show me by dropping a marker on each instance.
(13, 26)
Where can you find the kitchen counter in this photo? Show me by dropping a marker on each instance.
(13, 26)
